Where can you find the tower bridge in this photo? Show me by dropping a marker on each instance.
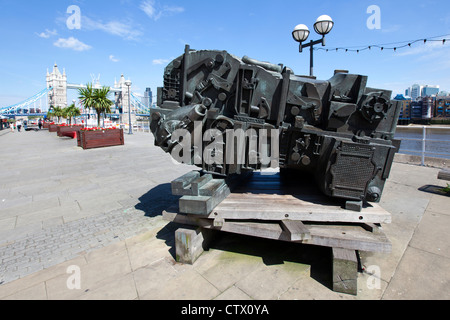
(55, 94)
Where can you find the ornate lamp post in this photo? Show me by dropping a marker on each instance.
(128, 84)
(323, 26)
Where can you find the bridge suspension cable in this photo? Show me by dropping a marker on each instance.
(25, 103)
(139, 105)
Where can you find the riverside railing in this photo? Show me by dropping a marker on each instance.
(421, 137)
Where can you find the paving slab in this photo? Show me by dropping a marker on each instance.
(420, 276)
(106, 220)
(427, 235)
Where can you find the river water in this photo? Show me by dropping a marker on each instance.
(442, 147)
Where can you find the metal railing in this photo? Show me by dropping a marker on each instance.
(424, 141)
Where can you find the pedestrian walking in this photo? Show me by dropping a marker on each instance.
(19, 125)
(12, 126)
(40, 124)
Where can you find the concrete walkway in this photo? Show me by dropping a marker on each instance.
(93, 217)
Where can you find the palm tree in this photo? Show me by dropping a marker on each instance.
(102, 103)
(96, 99)
(75, 112)
(57, 112)
(86, 96)
(71, 111)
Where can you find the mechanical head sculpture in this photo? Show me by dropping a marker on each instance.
(228, 115)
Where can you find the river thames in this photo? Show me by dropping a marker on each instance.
(437, 142)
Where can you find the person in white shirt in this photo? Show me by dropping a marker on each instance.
(19, 125)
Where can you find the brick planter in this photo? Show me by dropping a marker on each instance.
(45, 125)
(62, 129)
(100, 138)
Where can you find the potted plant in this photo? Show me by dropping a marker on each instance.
(74, 129)
(97, 137)
(97, 99)
(69, 129)
(57, 112)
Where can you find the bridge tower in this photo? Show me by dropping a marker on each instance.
(122, 98)
(57, 81)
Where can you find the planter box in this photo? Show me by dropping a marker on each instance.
(62, 129)
(52, 128)
(100, 138)
(45, 125)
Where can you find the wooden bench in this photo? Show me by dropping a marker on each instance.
(444, 174)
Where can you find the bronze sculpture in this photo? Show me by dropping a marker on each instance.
(339, 130)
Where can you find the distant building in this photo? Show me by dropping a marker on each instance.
(442, 109)
(428, 107)
(416, 91)
(416, 110)
(428, 91)
(405, 111)
(148, 100)
(408, 92)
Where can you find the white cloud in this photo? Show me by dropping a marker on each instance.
(116, 28)
(149, 8)
(47, 33)
(160, 61)
(153, 10)
(113, 59)
(71, 43)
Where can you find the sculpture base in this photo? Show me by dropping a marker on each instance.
(263, 206)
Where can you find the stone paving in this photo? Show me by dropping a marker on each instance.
(100, 210)
(57, 200)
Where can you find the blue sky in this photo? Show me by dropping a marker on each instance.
(138, 38)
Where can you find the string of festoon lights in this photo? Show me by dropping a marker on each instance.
(394, 46)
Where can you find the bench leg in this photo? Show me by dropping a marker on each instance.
(345, 271)
(190, 244)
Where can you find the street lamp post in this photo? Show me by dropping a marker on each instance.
(323, 26)
(130, 129)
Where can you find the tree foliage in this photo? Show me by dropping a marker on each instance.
(97, 99)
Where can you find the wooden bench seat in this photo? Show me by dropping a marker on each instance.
(444, 174)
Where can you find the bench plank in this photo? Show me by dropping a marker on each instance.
(444, 174)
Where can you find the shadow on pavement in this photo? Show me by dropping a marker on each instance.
(271, 252)
(156, 200)
(434, 190)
